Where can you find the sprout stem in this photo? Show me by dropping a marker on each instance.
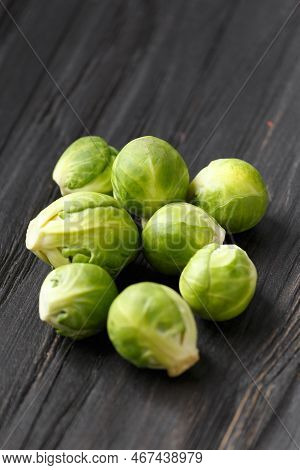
(183, 365)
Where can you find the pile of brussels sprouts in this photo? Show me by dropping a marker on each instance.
(90, 234)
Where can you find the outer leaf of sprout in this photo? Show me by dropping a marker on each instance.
(151, 326)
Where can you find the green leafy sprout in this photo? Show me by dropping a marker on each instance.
(175, 233)
(151, 326)
(218, 282)
(147, 174)
(85, 165)
(75, 299)
(232, 191)
(84, 228)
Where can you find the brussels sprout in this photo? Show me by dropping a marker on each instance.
(150, 325)
(232, 191)
(147, 174)
(174, 234)
(85, 166)
(84, 228)
(218, 282)
(75, 299)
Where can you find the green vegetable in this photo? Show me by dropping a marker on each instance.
(147, 174)
(150, 325)
(84, 228)
(174, 234)
(232, 191)
(85, 166)
(218, 282)
(75, 299)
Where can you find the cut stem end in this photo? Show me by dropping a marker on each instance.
(184, 364)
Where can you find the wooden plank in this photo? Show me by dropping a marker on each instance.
(136, 68)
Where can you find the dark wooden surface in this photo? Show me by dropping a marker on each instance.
(169, 69)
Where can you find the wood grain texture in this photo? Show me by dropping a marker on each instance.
(169, 69)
